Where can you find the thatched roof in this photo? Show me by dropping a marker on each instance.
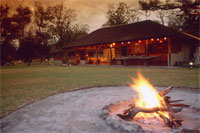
(130, 32)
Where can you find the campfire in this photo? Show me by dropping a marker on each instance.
(150, 105)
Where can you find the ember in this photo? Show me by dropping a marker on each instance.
(151, 104)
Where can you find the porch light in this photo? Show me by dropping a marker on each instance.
(191, 63)
(152, 39)
(114, 44)
(111, 45)
(87, 55)
(139, 41)
(129, 42)
(122, 42)
(158, 39)
(165, 38)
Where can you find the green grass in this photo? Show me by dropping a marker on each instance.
(23, 84)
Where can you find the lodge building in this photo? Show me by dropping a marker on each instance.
(141, 43)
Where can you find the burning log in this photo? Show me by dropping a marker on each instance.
(171, 123)
(176, 110)
(166, 91)
(131, 113)
(166, 120)
(180, 105)
(175, 101)
(171, 108)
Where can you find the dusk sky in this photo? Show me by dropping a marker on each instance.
(91, 12)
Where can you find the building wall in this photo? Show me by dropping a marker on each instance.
(182, 56)
(70, 59)
(197, 55)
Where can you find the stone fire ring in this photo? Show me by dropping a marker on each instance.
(81, 111)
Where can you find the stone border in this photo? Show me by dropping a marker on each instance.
(119, 124)
(127, 126)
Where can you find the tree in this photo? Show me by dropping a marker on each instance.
(78, 31)
(7, 30)
(42, 18)
(184, 13)
(28, 48)
(61, 20)
(21, 19)
(175, 19)
(162, 14)
(146, 6)
(120, 14)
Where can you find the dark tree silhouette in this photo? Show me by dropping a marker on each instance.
(37, 31)
(77, 31)
(27, 49)
(41, 19)
(7, 30)
(120, 14)
(55, 27)
(184, 14)
(61, 20)
(21, 19)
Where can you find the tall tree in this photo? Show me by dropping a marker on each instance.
(78, 31)
(184, 10)
(7, 31)
(61, 20)
(21, 19)
(146, 6)
(42, 19)
(120, 14)
(162, 15)
(28, 48)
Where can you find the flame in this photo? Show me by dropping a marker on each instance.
(148, 97)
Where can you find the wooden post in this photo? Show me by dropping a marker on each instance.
(97, 54)
(169, 52)
(146, 47)
(111, 56)
(77, 57)
(65, 57)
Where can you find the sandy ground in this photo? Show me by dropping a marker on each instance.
(78, 111)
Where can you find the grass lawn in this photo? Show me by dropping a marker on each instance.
(23, 84)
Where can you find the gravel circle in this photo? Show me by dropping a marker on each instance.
(79, 111)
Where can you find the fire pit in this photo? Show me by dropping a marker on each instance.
(148, 111)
